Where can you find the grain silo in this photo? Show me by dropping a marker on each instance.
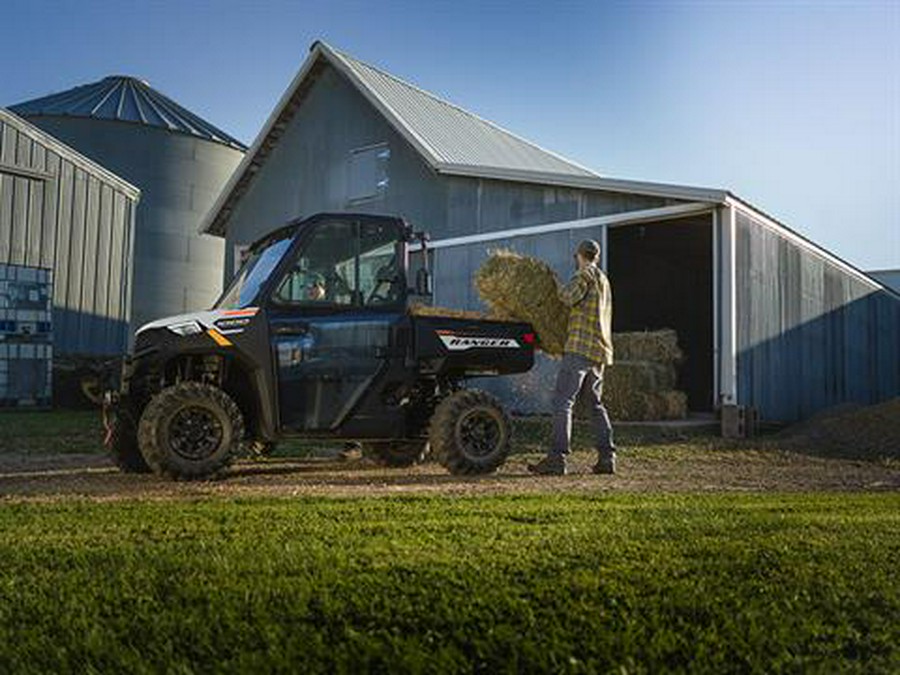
(178, 160)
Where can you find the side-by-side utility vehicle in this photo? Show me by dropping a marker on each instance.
(314, 338)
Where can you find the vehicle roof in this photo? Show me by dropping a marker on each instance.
(292, 227)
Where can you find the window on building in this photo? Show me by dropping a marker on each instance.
(368, 174)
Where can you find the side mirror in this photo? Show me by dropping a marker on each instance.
(424, 284)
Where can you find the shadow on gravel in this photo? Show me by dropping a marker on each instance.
(355, 472)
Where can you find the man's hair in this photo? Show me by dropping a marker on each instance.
(589, 250)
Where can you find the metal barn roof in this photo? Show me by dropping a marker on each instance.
(448, 135)
(450, 139)
(125, 99)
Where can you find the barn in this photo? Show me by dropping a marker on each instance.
(766, 317)
(63, 212)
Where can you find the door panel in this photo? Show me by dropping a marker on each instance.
(325, 364)
(332, 318)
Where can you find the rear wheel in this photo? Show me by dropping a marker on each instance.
(190, 431)
(470, 432)
(123, 446)
(396, 454)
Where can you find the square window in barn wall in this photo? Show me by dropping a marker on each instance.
(368, 173)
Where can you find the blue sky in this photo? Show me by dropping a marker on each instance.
(794, 106)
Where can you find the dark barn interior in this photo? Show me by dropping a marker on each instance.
(662, 277)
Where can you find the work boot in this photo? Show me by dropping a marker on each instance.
(551, 465)
(606, 463)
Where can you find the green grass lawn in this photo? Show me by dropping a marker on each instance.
(625, 583)
(51, 431)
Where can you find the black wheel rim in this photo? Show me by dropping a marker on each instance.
(195, 433)
(479, 432)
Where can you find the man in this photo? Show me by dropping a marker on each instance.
(315, 291)
(587, 351)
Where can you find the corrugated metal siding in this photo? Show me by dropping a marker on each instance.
(810, 335)
(479, 205)
(76, 223)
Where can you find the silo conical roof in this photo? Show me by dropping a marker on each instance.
(125, 99)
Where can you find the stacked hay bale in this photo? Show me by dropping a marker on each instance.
(639, 386)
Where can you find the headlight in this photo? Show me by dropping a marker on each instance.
(186, 328)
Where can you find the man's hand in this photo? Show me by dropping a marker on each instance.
(574, 291)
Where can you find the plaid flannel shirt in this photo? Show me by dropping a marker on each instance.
(589, 296)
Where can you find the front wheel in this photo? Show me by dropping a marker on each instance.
(470, 432)
(190, 431)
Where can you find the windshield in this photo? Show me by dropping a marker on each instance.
(345, 263)
(258, 267)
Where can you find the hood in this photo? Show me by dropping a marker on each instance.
(207, 319)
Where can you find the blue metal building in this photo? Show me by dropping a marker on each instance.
(178, 160)
(765, 316)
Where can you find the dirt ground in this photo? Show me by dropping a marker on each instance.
(672, 468)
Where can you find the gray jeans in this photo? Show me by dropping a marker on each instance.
(573, 371)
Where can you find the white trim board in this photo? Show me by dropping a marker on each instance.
(613, 220)
(716, 305)
(590, 183)
(728, 374)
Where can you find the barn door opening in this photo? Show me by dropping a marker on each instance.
(661, 274)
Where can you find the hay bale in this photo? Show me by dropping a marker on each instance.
(419, 309)
(526, 289)
(658, 346)
(633, 404)
(645, 406)
(676, 404)
(639, 376)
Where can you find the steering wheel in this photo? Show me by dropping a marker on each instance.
(337, 285)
